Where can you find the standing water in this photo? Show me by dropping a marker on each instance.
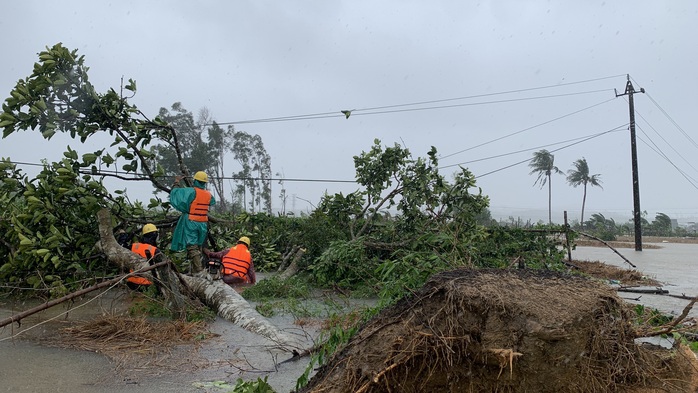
(235, 352)
(673, 264)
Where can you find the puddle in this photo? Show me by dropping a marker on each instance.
(212, 365)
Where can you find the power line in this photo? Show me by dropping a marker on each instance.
(577, 141)
(353, 111)
(527, 129)
(659, 152)
(678, 127)
(490, 94)
(665, 141)
(672, 121)
(323, 115)
(654, 147)
(24, 163)
(554, 150)
(533, 148)
(485, 102)
(115, 172)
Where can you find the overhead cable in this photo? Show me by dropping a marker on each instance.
(554, 150)
(620, 128)
(353, 111)
(372, 110)
(527, 129)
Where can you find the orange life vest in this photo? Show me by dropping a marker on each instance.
(237, 261)
(198, 210)
(140, 249)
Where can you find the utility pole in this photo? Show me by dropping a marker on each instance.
(637, 218)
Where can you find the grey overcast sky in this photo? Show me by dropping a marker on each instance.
(557, 61)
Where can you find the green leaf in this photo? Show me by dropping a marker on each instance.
(89, 158)
(48, 133)
(131, 85)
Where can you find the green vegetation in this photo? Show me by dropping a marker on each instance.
(258, 386)
(275, 287)
(579, 175)
(543, 164)
(607, 228)
(405, 222)
(651, 316)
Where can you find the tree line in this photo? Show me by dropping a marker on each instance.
(349, 240)
(204, 145)
(543, 164)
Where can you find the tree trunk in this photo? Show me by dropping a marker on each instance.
(293, 267)
(234, 308)
(550, 200)
(219, 296)
(128, 260)
(584, 201)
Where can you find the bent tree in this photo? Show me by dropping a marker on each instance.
(54, 217)
(50, 221)
(579, 175)
(543, 163)
(406, 222)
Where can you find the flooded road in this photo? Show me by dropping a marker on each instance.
(674, 264)
(28, 366)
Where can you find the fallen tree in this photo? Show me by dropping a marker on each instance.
(18, 317)
(217, 295)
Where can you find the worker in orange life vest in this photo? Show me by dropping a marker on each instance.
(147, 248)
(237, 266)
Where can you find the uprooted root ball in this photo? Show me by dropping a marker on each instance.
(505, 331)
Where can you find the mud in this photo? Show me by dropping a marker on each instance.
(506, 331)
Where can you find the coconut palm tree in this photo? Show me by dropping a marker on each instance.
(580, 175)
(543, 163)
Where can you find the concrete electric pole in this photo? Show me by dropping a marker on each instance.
(637, 217)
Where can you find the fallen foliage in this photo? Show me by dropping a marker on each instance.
(134, 341)
(603, 271)
(614, 244)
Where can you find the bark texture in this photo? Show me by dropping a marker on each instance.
(234, 308)
(228, 304)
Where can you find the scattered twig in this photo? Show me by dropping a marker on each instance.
(669, 327)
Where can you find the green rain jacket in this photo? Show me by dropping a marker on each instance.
(187, 232)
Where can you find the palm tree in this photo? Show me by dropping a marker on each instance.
(543, 163)
(580, 175)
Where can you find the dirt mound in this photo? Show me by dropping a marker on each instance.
(505, 331)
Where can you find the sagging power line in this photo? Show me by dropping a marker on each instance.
(391, 108)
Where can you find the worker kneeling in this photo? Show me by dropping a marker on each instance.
(236, 263)
(146, 248)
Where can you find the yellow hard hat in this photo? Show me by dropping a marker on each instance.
(147, 228)
(201, 176)
(245, 240)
